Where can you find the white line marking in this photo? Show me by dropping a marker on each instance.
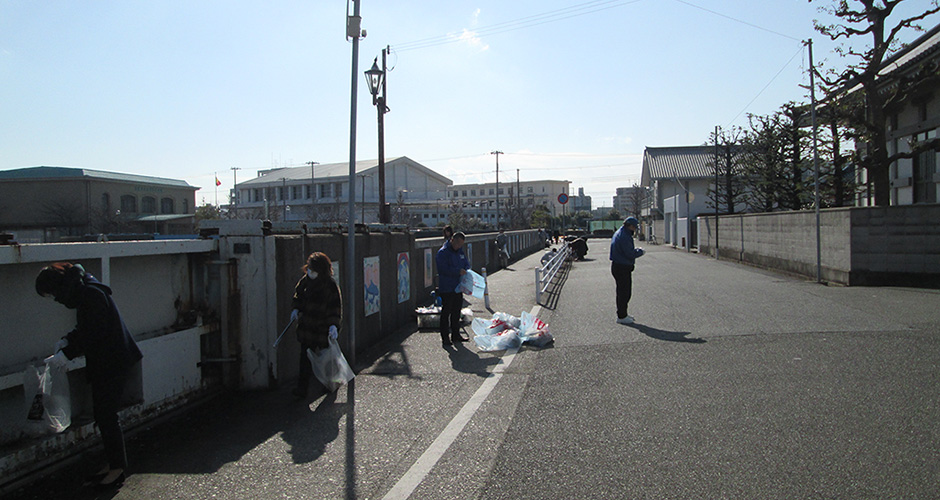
(410, 481)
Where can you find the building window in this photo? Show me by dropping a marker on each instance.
(106, 202)
(925, 167)
(339, 190)
(295, 192)
(455, 194)
(307, 192)
(492, 191)
(148, 205)
(473, 192)
(128, 204)
(499, 191)
(529, 189)
(464, 193)
(185, 206)
(166, 206)
(326, 190)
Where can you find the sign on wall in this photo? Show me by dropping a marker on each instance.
(428, 268)
(404, 277)
(370, 274)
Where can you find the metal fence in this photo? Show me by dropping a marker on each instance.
(546, 273)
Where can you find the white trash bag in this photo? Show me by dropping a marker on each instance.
(48, 400)
(505, 339)
(534, 331)
(330, 366)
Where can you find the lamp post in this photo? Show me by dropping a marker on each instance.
(375, 77)
(313, 191)
(497, 153)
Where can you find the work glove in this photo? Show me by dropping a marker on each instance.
(334, 333)
(57, 360)
(61, 344)
(294, 314)
(640, 252)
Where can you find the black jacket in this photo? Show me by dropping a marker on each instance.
(100, 334)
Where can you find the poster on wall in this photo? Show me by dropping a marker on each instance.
(428, 268)
(404, 277)
(339, 282)
(370, 274)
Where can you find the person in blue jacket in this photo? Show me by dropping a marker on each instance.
(452, 264)
(110, 353)
(622, 261)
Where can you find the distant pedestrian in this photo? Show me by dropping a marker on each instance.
(110, 354)
(448, 232)
(318, 310)
(452, 264)
(543, 237)
(548, 256)
(623, 259)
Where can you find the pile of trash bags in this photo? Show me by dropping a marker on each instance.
(505, 331)
(430, 316)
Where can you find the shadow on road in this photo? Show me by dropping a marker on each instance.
(553, 292)
(466, 361)
(666, 335)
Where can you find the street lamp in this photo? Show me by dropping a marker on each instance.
(375, 77)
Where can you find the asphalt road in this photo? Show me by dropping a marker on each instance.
(733, 383)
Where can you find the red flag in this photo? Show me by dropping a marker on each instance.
(217, 181)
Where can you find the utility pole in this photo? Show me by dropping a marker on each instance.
(716, 192)
(518, 199)
(313, 190)
(284, 198)
(234, 200)
(353, 31)
(497, 153)
(812, 93)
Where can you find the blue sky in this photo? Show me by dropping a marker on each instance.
(567, 89)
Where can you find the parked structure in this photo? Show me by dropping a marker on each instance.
(320, 193)
(678, 179)
(44, 204)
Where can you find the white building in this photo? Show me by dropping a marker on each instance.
(320, 193)
(479, 200)
(678, 180)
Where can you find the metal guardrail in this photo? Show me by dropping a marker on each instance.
(546, 273)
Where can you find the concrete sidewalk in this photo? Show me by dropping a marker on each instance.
(267, 445)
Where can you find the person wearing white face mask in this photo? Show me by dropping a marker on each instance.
(318, 310)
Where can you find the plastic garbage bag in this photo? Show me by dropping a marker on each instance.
(48, 400)
(534, 331)
(472, 283)
(330, 366)
(505, 339)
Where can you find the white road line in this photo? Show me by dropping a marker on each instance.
(407, 484)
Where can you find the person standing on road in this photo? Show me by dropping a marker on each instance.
(623, 257)
(452, 264)
(110, 354)
(318, 306)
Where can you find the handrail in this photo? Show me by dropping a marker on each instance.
(546, 273)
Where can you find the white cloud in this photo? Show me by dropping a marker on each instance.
(471, 39)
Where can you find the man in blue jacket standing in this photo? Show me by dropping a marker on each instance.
(623, 258)
(452, 264)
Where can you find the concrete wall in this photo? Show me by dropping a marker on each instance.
(859, 246)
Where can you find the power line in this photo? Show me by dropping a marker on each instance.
(765, 86)
(738, 20)
(517, 24)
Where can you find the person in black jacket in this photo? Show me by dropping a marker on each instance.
(110, 352)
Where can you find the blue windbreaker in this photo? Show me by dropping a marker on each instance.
(449, 264)
(622, 250)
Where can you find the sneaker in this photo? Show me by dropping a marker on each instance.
(626, 320)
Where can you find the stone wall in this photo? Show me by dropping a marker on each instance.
(858, 246)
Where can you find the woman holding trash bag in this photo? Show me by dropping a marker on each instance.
(318, 308)
(452, 264)
(110, 353)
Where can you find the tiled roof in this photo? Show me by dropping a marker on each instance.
(915, 51)
(73, 172)
(683, 162)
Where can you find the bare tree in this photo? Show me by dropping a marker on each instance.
(870, 17)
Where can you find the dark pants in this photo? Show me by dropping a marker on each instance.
(623, 275)
(450, 314)
(106, 397)
(306, 370)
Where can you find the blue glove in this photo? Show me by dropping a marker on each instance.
(61, 344)
(293, 315)
(57, 360)
(334, 333)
